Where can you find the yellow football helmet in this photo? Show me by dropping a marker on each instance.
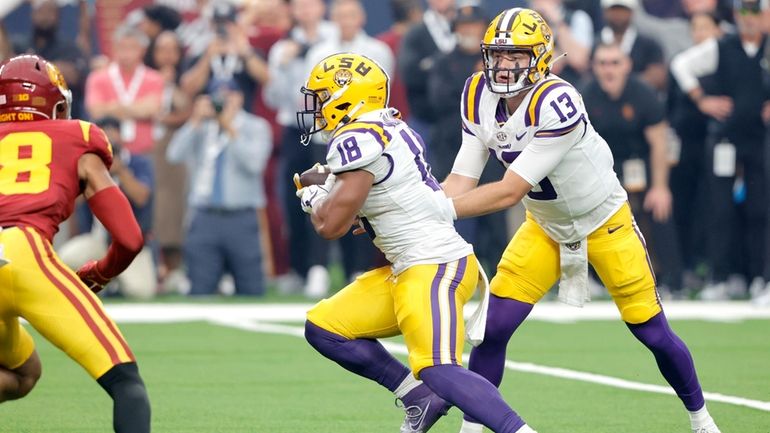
(522, 30)
(340, 88)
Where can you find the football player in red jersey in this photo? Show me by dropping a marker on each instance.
(46, 161)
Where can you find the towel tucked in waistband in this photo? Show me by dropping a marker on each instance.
(573, 287)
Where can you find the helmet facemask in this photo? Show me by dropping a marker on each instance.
(515, 31)
(311, 120)
(524, 76)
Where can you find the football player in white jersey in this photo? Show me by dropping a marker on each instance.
(381, 177)
(536, 125)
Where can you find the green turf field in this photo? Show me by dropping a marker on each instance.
(210, 378)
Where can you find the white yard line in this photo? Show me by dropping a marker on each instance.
(546, 311)
(524, 367)
(244, 316)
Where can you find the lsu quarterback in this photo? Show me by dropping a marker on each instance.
(46, 161)
(380, 177)
(535, 124)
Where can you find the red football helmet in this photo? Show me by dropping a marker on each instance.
(34, 89)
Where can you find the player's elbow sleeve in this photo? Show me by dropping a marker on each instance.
(113, 210)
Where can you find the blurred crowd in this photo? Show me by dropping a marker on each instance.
(200, 109)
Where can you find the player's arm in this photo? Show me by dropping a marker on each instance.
(333, 216)
(658, 199)
(550, 144)
(492, 197)
(473, 154)
(112, 209)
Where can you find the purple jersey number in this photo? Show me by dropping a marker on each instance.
(418, 149)
(567, 102)
(349, 150)
(547, 191)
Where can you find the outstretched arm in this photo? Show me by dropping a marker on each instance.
(112, 209)
(492, 197)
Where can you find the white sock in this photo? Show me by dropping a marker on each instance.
(700, 418)
(409, 383)
(525, 429)
(471, 427)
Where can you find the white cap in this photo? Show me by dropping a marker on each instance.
(630, 4)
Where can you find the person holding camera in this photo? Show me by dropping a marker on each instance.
(133, 173)
(287, 59)
(229, 56)
(225, 150)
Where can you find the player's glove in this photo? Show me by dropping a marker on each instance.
(310, 195)
(90, 275)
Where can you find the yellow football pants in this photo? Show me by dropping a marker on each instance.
(424, 303)
(529, 266)
(36, 285)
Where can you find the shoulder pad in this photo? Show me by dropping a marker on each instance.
(471, 96)
(96, 141)
(539, 95)
(356, 145)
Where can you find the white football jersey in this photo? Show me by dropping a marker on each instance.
(402, 212)
(548, 141)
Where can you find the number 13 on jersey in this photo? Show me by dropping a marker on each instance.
(24, 163)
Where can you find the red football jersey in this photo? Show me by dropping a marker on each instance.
(39, 170)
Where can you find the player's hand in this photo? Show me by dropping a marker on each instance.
(91, 276)
(309, 196)
(359, 227)
(718, 107)
(658, 201)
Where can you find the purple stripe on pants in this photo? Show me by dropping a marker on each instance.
(459, 275)
(436, 313)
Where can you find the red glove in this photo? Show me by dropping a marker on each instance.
(90, 275)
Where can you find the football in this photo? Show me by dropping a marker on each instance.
(315, 175)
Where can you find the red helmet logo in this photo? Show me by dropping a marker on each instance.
(31, 88)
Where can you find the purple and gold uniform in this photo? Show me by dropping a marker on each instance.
(576, 196)
(38, 186)
(434, 271)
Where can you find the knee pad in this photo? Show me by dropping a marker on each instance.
(639, 313)
(321, 339)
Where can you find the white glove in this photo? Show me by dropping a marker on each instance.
(310, 195)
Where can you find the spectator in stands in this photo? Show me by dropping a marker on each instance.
(690, 124)
(419, 48)
(127, 90)
(266, 22)
(574, 35)
(628, 114)
(350, 18)
(288, 71)
(6, 47)
(44, 41)
(737, 191)
(646, 54)
(225, 149)
(405, 13)
(134, 176)
(155, 20)
(170, 178)
(229, 56)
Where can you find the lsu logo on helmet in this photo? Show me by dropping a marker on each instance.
(340, 88)
(517, 30)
